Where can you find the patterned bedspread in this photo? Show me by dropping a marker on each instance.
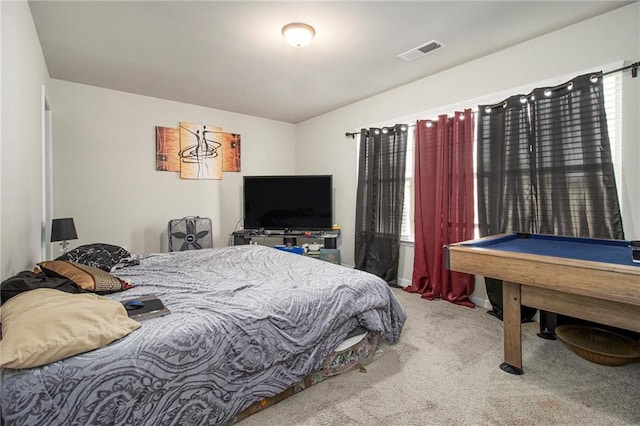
(246, 322)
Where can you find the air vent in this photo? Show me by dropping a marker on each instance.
(420, 51)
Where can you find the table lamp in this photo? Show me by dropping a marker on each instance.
(63, 230)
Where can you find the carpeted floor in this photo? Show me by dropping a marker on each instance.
(445, 371)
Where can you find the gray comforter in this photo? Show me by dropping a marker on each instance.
(246, 322)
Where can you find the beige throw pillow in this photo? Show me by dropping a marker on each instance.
(46, 325)
(89, 278)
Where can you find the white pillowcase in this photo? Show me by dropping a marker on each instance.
(46, 325)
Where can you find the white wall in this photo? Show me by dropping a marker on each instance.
(104, 166)
(601, 40)
(23, 72)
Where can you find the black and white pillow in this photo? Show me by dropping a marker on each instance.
(107, 257)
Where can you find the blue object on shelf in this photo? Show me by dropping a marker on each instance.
(290, 249)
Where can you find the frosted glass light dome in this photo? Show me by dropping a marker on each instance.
(298, 34)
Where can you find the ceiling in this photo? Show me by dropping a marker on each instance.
(231, 55)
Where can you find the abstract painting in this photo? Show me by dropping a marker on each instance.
(200, 151)
(167, 148)
(230, 152)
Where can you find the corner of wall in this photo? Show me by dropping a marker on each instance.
(23, 72)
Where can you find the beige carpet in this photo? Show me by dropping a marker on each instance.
(445, 371)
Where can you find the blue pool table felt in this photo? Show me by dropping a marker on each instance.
(590, 249)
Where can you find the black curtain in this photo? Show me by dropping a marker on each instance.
(505, 177)
(576, 185)
(545, 166)
(380, 196)
(506, 193)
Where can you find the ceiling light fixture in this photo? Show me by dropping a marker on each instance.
(298, 34)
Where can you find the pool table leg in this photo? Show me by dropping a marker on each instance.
(512, 330)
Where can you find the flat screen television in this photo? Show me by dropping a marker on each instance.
(298, 203)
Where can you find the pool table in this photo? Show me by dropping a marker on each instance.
(591, 279)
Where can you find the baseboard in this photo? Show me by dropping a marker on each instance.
(402, 282)
(479, 301)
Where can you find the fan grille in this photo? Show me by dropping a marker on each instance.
(190, 233)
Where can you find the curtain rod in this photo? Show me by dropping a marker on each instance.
(354, 134)
(634, 74)
(634, 69)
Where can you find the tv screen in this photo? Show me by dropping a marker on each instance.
(301, 203)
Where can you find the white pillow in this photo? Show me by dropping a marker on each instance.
(45, 325)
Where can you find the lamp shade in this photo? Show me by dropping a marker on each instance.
(63, 229)
(298, 34)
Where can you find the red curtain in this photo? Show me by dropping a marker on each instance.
(443, 176)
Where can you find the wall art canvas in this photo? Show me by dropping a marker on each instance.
(167, 149)
(230, 152)
(200, 151)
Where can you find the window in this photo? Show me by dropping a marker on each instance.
(406, 233)
(613, 105)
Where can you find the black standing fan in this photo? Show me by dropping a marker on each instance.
(190, 233)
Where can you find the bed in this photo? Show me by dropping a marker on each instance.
(247, 323)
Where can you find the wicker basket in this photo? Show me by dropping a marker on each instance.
(599, 345)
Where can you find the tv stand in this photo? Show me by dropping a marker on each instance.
(329, 238)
